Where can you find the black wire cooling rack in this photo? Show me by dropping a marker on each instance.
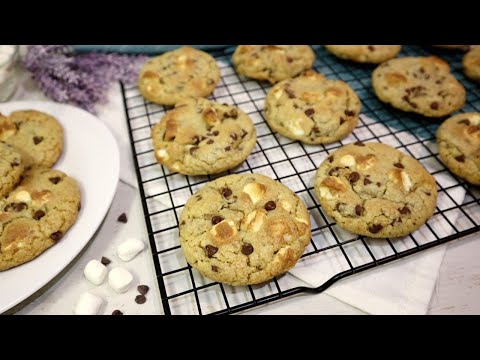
(336, 253)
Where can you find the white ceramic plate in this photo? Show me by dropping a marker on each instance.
(91, 157)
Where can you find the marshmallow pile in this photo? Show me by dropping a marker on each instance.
(119, 279)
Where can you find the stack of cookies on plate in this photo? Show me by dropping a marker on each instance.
(246, 229)
(37, 203)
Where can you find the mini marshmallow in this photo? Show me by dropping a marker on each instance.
(129, 249)
(119, 279)
(95, 272)
(88, 304)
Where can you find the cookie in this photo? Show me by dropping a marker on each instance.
(458, 141)
(272, 62)
(37, 136)
(423, 85)
(373, 54)
(375, 190)
(36, 215)
(201, 137)
(178, 74)
(11, 168)
(244, 229)
(471, 64)
(312, 109)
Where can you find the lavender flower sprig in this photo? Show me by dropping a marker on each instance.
(81, 80)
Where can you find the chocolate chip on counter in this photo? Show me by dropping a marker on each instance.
(228, 148)
(399, 165)
(464, 121)
(38, 215)
(460, 158)
(215, 133)
(215, 268)
(193, 149)
(359, 210)
(404, 211)
(233, 136)
(309, 112)
(359, 143)
(216, 219)
(366, 181)
(270, 205)
(211, 250)
(210, 141)
(55, 180)
(226, 192)
(434, 105)
(37, 139)
(117, 312)
(56, 236)
(247, 249)
(105, 261)
(143, 289)
(140, 299)
(375, 228)
(349, 113)
(122, 218)
(354, 177)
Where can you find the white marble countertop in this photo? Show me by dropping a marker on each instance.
(457, 290)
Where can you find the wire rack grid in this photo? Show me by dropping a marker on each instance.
(335, 253)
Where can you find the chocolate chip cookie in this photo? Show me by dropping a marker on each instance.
(36, 215)
(178, 74)
(375, 190)
(244, 229)
(272, 62)
(458, 141)
(373, 54)
(201, 137)
(471, 64)
(37, 136)
(423, 85)
(11, 168)
(312, 109)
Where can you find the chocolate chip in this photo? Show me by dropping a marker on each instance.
(193, 149)
(434, 105)
(216, 219)
(330, 159)
(123, 218)
(289, 59)
(231, 114)
(270, 205)
(140, 299)
(211, 250)
(56, 236)
(379, 184)
(333, 171)
(37, 139)
(404, 211)
(233, 136)
(215, 133)
(359, 210)
(354, 177)
(247, 249)
(464, 121)
(214, 268)
(244, 133)
(143, 289)
(117, 312)
(210, 141)
(105, 261)
(309, 112)
(14, 163)
(196, 139)
(342, 120)
(38, 214)
(316, 129)
(183, 222)
(460, 158)
(428, 194)
(226, 192)
(366, 181)
(55, 180)
(19, 206)
(199, 197)
(408, 101)
(396, 221)
(228, 148)
(398, 165)
(375, 228)
(359, 143)
(349, 113)
(290, 93)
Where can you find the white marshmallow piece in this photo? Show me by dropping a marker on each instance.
(88, 304)
(95, 272)
(119, 279)
(129, 249)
